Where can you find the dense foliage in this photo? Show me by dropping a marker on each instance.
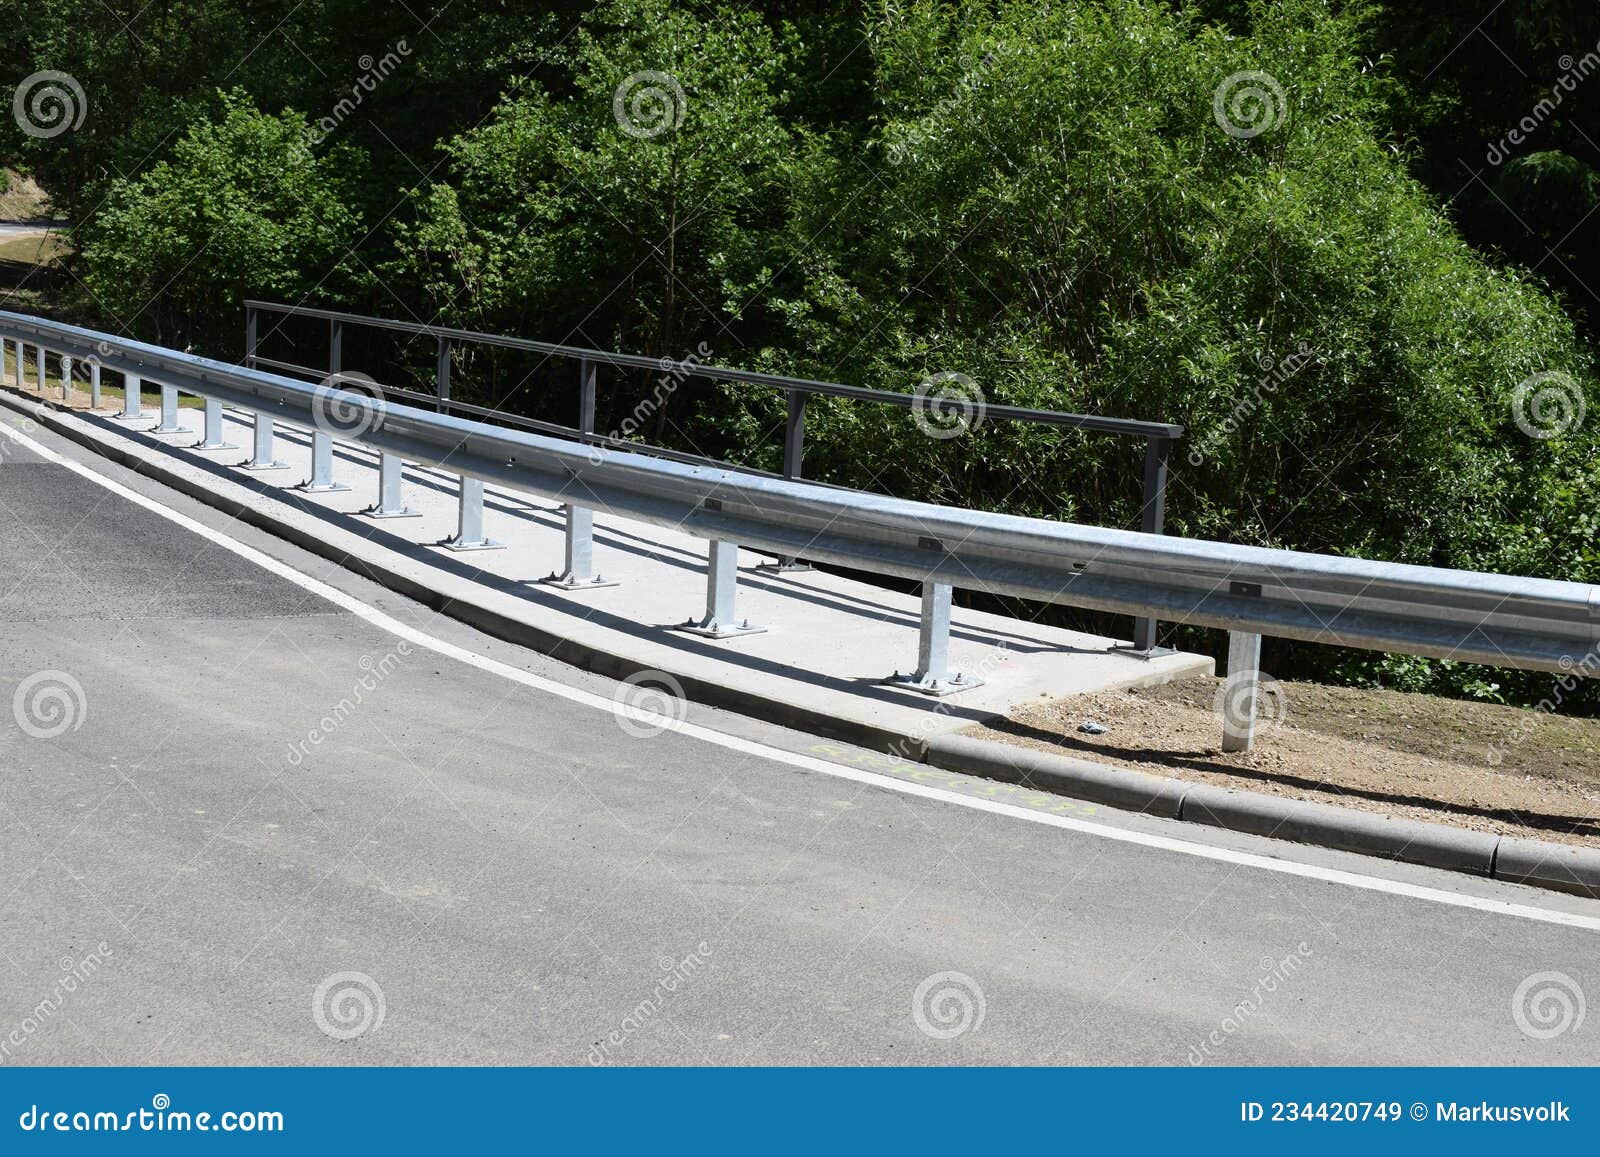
(1273, 222)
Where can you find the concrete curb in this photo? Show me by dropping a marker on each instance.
(1557, 867)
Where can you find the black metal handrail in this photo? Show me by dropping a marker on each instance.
(1158, 436)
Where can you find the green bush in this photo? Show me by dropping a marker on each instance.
(245, 206)
(1058, 211)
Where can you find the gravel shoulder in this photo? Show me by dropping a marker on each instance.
(1475, 765)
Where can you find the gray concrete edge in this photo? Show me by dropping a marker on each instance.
(1557, 867)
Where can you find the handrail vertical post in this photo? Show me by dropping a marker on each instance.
(335, 347)
(66, 377)
(442, 374)
(94, 384)
(250, 323)
(578, 573)
(38, 352)
(1153, 521)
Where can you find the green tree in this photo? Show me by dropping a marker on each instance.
(633, 203)
(1116, 209)
(245, 206)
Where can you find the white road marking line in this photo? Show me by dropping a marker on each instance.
(810, 763)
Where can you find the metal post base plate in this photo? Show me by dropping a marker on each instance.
(158, 428)
(309, 487)
(202, 445)
(459, 545)
(1152, 653)
(937, 687)
(792, 566)
(709, 629)
(256, 466)
(567, 583)
(403, 512)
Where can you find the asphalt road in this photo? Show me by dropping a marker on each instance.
(509, 876)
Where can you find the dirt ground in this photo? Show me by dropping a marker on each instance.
(1475, 765)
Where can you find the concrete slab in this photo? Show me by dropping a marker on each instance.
(829, 645)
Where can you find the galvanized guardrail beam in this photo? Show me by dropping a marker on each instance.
(1540, 624)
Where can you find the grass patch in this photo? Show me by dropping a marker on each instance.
(42, 248)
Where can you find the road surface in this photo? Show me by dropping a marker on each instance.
(240, 822)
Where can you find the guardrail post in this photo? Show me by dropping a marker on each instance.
(213, 438)
(17, 363)
(722, 588)
(469, 525)
(1239, 691)
(132, 397)
(261, 457)
(1153, 521)
(321, 480)
(94, 385)
(66, 377)
(579, 573)
(442, 374)
(38, 365)
(933, 675)
(169, 413)
(391, 500)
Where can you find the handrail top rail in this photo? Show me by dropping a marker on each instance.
(1169, 431)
